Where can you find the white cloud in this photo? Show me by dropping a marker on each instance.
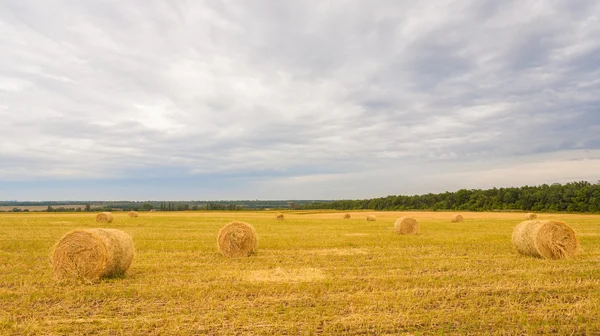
(290, 92)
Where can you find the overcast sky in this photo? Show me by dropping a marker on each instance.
(151, 99)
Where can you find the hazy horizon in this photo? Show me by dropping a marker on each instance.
(223, 100)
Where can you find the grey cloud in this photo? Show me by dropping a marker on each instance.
(326, 90)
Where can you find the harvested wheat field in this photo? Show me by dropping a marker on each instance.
(316, 273)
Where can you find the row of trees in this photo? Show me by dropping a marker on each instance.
(63, 209)
(60, 206)
(571, 197)
(163, 206)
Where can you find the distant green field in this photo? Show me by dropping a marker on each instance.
(314, 273)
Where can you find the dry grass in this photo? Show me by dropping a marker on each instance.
(452, 279)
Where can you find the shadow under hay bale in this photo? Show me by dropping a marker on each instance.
(406, 225)
(457, 218)
(104, 217)
(237, 240)
(371, 218)
(530, 216)
(545, 239)
(92, 253)
(133, 214)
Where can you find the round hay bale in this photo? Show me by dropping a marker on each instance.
(371, 218)
(406, 225)
(457, 218)
(133, 214)
(104, 217)
(279, 216)
(347, 216)
(237, 239)
(545, 239)
(530, 216)
(92, 253)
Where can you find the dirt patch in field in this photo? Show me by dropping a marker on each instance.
(338, 251)
(286, 275)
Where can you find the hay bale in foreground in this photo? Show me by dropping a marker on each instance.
(530, 216)
(104, 217)
(92, 253)
(545, 239)
(279, 216)
(457, 218)
(237, 239)
(406, 225)
(133, 214)
(347, 216)
(371, 218)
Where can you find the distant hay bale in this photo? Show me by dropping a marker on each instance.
(104, 217)
(347, 216)
(133, 214)
(371, 218)
(530, 216)
(237, 239)
(92, 253)
(545, 239)
(279, 216)
(457, 218)
(406, 225)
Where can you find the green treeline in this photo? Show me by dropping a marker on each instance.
(572, 197)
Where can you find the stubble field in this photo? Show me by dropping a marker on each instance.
(314, 273)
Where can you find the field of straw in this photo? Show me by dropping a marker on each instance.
(314, 273)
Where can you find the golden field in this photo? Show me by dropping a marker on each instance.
(313, 273)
